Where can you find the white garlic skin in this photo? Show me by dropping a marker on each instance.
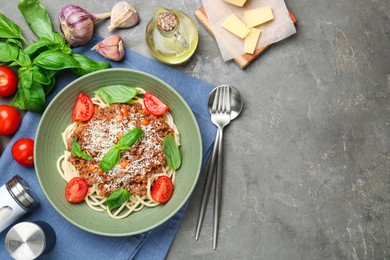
(123, 15)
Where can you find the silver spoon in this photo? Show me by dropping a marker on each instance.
(236, 105)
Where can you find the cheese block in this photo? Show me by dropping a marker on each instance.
(255, 17)
(251, 40)
(236, 2)
(234, 25)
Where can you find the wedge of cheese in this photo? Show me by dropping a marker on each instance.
(234, 25)
(251, 40)
(255, 17)
(236, 2)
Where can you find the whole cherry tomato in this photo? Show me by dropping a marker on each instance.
(23, 151)
(9, 120)
(8, 82)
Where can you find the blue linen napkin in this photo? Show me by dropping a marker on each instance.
(72, 242)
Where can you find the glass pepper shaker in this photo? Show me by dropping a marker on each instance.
(16, 199)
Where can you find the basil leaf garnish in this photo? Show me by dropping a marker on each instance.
(130, 137)
(172, 153)
(76, 151)
(117, 198)
(110, 159)
(113, 156)
(116, 94)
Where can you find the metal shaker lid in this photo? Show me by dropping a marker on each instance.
(25, 240)
(21, 192)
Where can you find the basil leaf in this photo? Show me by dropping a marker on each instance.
(55, 60)
(16, 42)
(116, 94)
(8, 52)
(110, 159)
(86, 65)
(23, 59)
(61, 43)
(76, 151)
(42, 76)
(129, 138)
(117, 198)
(30, 95)
(49, 87)
(37, 18)
(8, 29)
(37, 46)
(172, 153)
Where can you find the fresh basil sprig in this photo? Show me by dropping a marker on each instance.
(76, 151)
(117, 198)
(116, 94)
(113, 156)
(172, 153)
(38, 62)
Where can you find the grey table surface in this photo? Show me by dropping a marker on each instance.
(307, 164)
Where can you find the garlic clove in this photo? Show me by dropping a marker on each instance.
(111, 48)
(123, 15)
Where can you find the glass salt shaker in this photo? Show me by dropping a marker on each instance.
(16, 199)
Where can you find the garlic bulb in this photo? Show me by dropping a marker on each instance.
(77, 24)
(112, 48)
(123, 15)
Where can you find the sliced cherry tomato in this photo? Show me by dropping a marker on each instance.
(9, 119)
(162, 189)
(83, 109)
(76, 190)
(154, 105)
(8, 81)
(23, 151)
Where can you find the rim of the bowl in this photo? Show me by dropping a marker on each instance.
(158, 223)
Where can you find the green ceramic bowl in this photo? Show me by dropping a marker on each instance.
(49, 146)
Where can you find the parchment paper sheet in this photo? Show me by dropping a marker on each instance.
(232, 46)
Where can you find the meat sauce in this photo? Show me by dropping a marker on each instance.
(141, 161)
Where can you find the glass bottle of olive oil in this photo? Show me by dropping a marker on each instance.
(171, 36)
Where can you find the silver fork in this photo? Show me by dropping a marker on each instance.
(220, 116)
